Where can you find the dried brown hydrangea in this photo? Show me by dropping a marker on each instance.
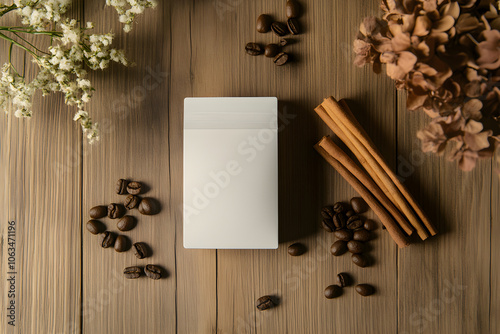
(446, 55)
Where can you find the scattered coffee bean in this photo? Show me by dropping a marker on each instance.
(253, 49)
(359, 205)
(327, 212)
(360, 260)
(141, 250)
(121, 187)
(365, 289)
(99, 211)
(264, 23)
(370, 225)
(338, 248)
(115, 211)
(134, 188)
(264, 303)
(152, 271)
(283, 42)
(148, 206)
(344, 235)
(271, 50)
(350, 213)
(354, 222)
(132, 202)
(293, 9)
(293, 26)
(362, 235)
(281, 59)
(107, 239)
(327, 224)
(132, 272)
(340, 221)
(279, 28)
(356, 247)
(296, 249)
(343, 279)
(95, 226)
(339, 207)
(126, 223)
(121, 244)
(333, 291)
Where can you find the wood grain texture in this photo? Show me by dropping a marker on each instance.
(68, 284)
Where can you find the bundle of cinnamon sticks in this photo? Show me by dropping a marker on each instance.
(375, 182)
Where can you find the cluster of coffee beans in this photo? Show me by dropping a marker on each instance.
(266, 23)
(344, 280)
(107, 239)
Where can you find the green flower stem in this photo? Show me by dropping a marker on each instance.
(16, 43)
(10, 61)
(34, 47)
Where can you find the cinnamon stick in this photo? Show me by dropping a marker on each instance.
(386, 219)
(329, 146)
(371, 165)
(354, 129)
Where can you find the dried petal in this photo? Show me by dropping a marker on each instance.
(466, 22)
(472, 109)
(452, 9)
(444, 24)
(489, 50)
(477, 142)
(433, 138)
(422, 26)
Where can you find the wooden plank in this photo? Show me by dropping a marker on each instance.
(495, 249)
(196, 269)
(132, 106)
(41, 194)
(451, 271)
(322, 67)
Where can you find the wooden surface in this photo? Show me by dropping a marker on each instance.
(66, 283)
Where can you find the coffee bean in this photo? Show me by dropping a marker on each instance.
(283, 42)
(115, 211)
(121, 187)
(264, 23)
(121, 244)
(271, 50)
(333, 291)
(281, 59)
(338, 248)
(344, 235)
(293, 26)
(354, 222)
(339, 207)
(107, 239)
(293, 9)
(360, 260)
(132, 201)
(99, 211)
(148, 206)
(152, 271)
(362, 235)
(344, 279)
(264, 303)
(126, 223)
(328, 225)
(279, 28)
(370, 225)
(253, 49)
(134, 188)
(365, 289)
(350, 213)
(327, 212)
(132, 272)
(340, 221)
(359, 205)
(141, 250)
(296, 249)
(95, 226)
(356, 247)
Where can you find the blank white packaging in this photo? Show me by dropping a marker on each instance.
(231, 173)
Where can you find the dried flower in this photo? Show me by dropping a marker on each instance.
(446, 55)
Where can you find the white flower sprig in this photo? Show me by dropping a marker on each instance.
(129, 9)
(62, 67)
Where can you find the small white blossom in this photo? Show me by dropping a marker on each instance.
(128, 9)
